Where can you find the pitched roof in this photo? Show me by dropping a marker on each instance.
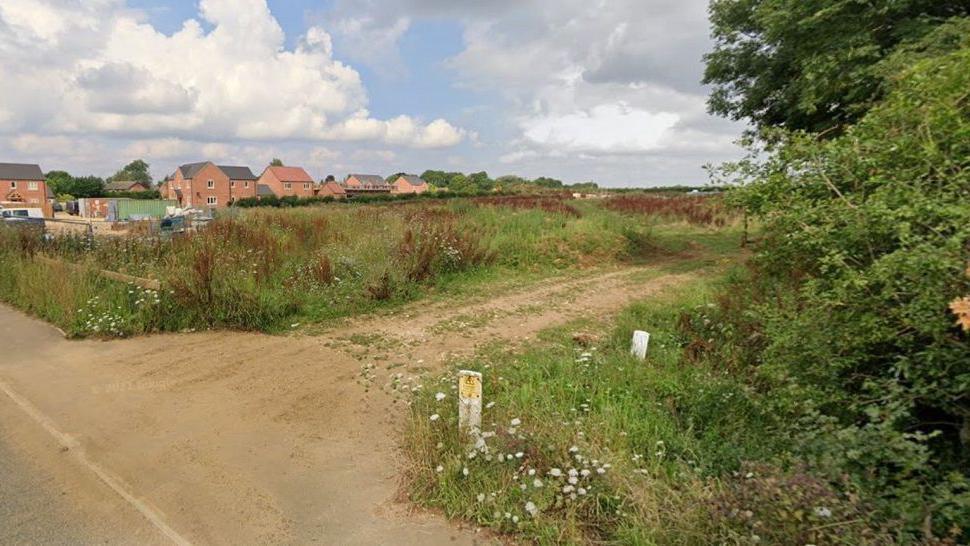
(238, 173)
(264, 190)
(333, 187)
(373, 179)
(189, 171)
(413, 180)
(290, 174)
(20, 171)
(122, 185)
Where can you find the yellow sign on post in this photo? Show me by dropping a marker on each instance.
(470, 386)
(470, 403)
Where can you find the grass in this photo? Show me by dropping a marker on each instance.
(276, 269)
(585, 444)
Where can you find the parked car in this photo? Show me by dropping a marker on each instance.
(72, 208)
(58, 207)
(22, 213)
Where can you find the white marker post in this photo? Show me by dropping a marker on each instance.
(469, 403)
(641, 340)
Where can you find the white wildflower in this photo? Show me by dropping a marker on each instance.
(531, 508)
(823, 512)
(435, 417)
(440, 396)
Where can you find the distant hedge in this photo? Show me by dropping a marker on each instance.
(150, 194)
(293, 201)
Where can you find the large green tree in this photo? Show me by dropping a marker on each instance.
(136, 171)
(59, 182)
(810, 64)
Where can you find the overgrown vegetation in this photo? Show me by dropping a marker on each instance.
(582, 443)
(699, 210)
(270, 269)
(844, 315)
(820, 396)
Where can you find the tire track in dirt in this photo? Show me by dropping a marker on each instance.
(241, 438)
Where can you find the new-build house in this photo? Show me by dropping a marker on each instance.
(208, 186)
(409, 183)
(330, 188)
(23, 185)
(366, 183)
(285, 181)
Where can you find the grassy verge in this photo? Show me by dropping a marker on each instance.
(273, 270)
(583, 443)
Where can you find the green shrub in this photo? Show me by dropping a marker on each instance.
(844, 316)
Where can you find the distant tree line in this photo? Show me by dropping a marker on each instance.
(480, 182)
(62, 183)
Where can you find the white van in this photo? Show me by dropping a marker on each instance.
(21, 213)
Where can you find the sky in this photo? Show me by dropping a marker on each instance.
(581, 90)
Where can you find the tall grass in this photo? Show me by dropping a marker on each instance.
(699, 210)
(582, 443)
(267, 269)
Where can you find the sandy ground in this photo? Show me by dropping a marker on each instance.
(232, 438)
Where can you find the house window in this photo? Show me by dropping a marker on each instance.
(34, 200)
(306, 186)
(13, 184)
(287, 186)
(211, 200)
(32, 186)
(246, 184)
(232, 183)
(210, 184)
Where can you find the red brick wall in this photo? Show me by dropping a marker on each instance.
(284, 188)
(196, 192)
(402, 186)
(33, 193)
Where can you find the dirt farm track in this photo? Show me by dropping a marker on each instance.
(233, 438)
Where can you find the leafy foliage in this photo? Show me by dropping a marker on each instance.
(810, 66)
(845, 315)
(136, 171)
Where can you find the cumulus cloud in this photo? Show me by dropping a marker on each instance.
(96, 66)
(588, 87)
(603, 128)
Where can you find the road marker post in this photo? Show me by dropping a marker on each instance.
(469, 403)
(641, 340)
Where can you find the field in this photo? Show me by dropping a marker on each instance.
(273, 270)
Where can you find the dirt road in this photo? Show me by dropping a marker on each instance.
(231, 438)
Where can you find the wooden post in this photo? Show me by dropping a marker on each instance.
(641, 340)
(469, 403)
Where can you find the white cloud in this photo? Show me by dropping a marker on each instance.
(603, 128)
(95, 66)
(588, 88)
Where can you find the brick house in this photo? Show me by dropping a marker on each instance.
(23, 185)
(288, 181)
(330, 188)
(409, 183)
(206, 185)
(126, 185)
(366, 183)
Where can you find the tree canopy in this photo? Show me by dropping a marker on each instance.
(810, 66)
(136, 171)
